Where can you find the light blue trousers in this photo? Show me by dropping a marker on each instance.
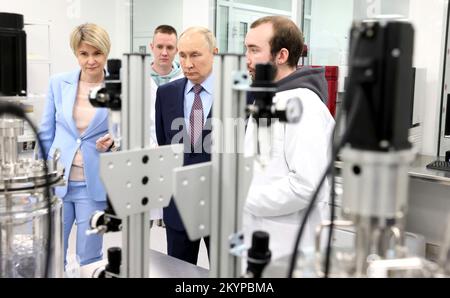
(79, 207)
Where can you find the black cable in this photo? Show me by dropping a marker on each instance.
(333, 200)
(336, 150)
(330, 168)
(332, 217)
(333, 179)
(17, 111)
(353, 50)
(331, 229)
(302, 226)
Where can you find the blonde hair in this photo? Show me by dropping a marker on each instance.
(92, 35)
(209, 36)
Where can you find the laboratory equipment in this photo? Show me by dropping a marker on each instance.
(259, 255)
(24, 210)
(31, 243)
(144, 176)
(376, 155)
(13, 57)
(137, 179)
(218, 189)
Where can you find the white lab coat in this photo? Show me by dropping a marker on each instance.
(156, 214)
(280, 192)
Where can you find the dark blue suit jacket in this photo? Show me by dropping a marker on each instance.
(171, 129)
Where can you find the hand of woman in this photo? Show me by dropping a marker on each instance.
(104, 143)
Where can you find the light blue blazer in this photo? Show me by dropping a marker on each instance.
(58, 130)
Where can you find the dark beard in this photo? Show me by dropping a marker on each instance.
(272, 61)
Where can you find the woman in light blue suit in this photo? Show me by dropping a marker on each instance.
(70, 123)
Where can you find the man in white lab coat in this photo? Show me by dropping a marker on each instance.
(282, 188)
(164, 69)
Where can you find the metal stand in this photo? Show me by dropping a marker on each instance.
(137, 180)
(210, 196)
(231, 170)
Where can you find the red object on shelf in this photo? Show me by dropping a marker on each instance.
(332, 76)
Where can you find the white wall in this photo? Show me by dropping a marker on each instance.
(148, 14)
(64, 15)
(52, 48)
(330, 28)
(428, 18)
(329, 32)
(198, 13)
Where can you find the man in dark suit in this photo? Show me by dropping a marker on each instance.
(183, 108)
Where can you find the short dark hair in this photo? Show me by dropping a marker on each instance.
(286, 34)
(165, 29)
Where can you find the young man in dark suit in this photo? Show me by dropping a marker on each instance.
(183, 108)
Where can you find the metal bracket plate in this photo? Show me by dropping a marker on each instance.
(192, 196)
(140, 180)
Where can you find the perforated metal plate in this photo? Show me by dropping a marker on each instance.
(140, 180)
(192, 196)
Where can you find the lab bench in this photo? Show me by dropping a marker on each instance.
(161, 266)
